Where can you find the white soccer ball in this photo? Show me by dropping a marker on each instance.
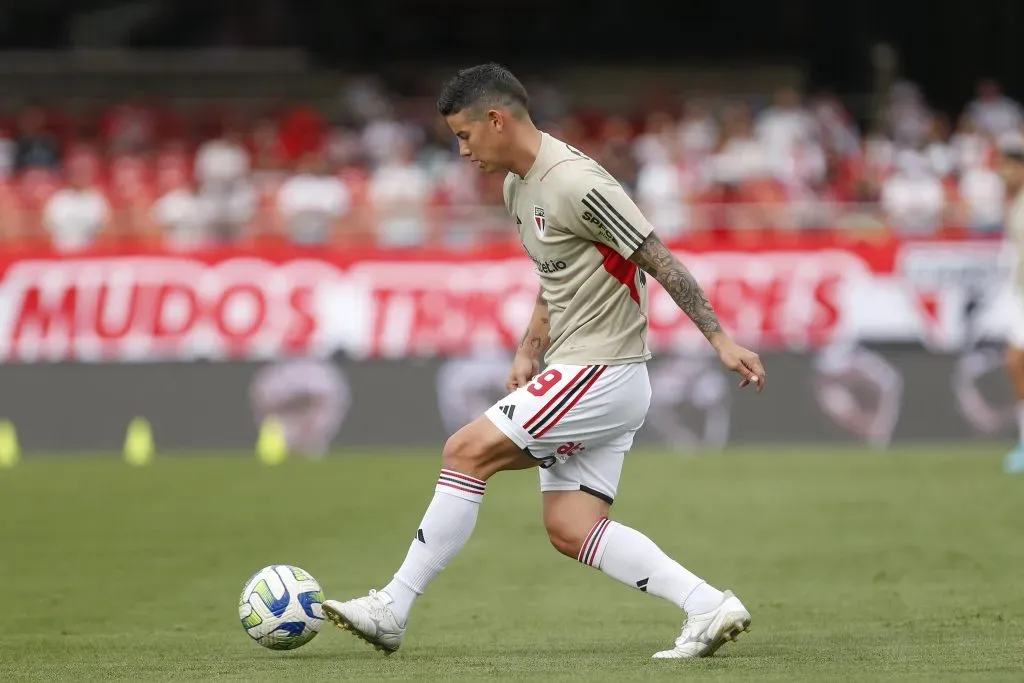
(280, 607)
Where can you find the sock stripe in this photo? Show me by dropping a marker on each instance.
(589, 550)
(597, 542)
(461, 482)
(464, 477)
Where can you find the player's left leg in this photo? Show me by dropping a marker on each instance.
(578, 494)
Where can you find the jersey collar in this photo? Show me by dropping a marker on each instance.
(538, 163)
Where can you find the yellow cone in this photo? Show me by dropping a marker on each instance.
(271, 446)
(139, 448)
(10, 451)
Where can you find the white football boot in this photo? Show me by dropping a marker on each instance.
(369, 618)
(704, 633)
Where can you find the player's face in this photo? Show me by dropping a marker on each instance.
(480, 138)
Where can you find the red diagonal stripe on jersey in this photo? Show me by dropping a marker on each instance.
(619, 268)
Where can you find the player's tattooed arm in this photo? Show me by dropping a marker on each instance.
(536, 338)
(655, 258)
(657, 261)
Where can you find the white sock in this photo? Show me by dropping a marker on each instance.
(630, 557)
(1020, 419)
(446, 526)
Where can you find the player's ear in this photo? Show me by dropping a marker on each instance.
(496, 119)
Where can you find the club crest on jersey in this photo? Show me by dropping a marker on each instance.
(539, 220)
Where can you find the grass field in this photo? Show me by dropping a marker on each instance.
(855, 566)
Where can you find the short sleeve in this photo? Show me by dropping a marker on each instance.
(604, 213)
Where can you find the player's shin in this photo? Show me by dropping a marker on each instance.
(446, 526)
(628, 556)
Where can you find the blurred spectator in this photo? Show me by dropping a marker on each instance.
(312, 203)
(387, 167)
(615, 154)
(969, 144)
(34, 146)
(913, 198)
(698, 130)
(982, 199)
(835, 126)
(399, 193)
(908, 117)
(223, 161)
(301, 132)
(179, 215)
(658, 140)
(663, 192)
(940, 154)
(386, 137)
(740, 155)
(995, 113)
(784, 126)
(222, 168)
(76, 215)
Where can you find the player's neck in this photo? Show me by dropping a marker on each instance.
(525, 151)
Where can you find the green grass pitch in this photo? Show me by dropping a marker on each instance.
(855, 566)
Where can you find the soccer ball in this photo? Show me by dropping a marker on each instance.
(280, 607)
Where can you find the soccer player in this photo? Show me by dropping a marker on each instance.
(1011, 168)
(593, 251)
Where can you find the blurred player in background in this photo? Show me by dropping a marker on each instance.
(577, 419)
(311, 399)
(1012, 170)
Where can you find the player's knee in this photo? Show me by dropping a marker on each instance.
(465, 454)
(566, 536)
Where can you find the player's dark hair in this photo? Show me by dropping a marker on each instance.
(484, 85)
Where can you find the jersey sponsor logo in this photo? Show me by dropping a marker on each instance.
(604, 232)
(570, 449)
(601, 207)
(591, 218)
(539, 220)
(550, 266)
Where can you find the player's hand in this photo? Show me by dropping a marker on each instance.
(742, 361)
(524, 369)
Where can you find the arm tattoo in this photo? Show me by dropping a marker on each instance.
(533, 340)
(655, 259)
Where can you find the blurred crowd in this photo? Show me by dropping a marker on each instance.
(385, 171)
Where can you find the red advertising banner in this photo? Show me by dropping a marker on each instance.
(257, 303)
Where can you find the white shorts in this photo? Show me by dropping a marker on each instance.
(1015, 330)
(579, 421)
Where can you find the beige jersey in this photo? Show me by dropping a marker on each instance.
(1015, 233)
(580, 228)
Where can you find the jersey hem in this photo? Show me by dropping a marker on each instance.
(589, 360)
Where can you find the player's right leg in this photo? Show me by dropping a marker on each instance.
(1014, 462)
(578, 496)
(470, 457)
